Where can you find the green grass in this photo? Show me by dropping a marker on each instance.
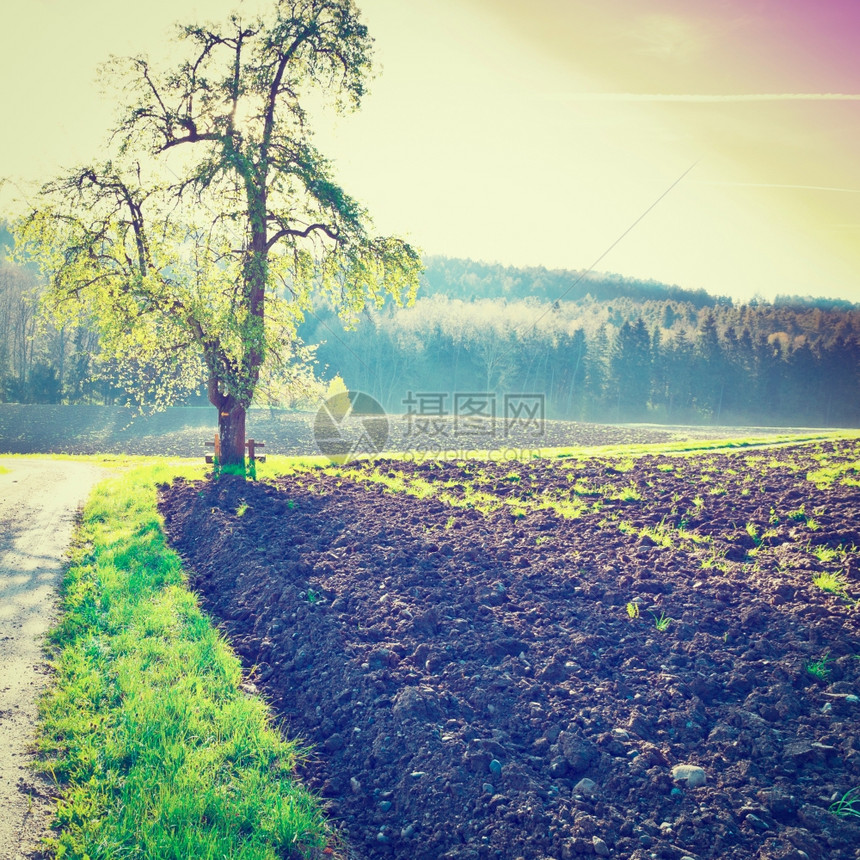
(846, 473)
(830, 581)
(825, 553)
(276, 465)
(713, 561)
(662, 534)
(848, 804)
(158, 753)
(662, 623)
(819, 668)
(693, 447)
(752, 531)
(625, 494)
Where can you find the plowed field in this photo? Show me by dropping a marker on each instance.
(511, 660)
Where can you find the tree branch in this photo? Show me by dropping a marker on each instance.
(274, 89)
(192, 137)
(331, 232)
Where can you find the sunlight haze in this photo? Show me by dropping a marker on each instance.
(540, 133)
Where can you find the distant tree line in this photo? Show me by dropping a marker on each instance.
(39, 362)
(611, 349)
(599, 348)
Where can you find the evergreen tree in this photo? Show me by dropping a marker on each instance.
(630, 370)
(710, 375)
(596, 371)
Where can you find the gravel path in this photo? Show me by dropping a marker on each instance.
(38, 503)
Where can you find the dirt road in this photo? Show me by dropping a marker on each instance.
(38, 503)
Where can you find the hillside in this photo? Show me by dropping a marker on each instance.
(603, 347)
(469, 279)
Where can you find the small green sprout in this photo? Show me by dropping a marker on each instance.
(242, 509)
(824, 553)
(848, 804)
(626, 494)
(714, 561)
(662, 623)
(632, 610)
(818, 668)
(799, 515)
(752, 531)
(831, 582)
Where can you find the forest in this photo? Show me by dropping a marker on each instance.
(596, 347)
(604, 348)
(41, 362)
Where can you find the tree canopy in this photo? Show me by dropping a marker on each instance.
(199, 242)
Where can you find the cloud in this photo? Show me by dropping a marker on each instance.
(704, 98)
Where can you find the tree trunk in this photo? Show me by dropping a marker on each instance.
(231, 429)
(231, 426)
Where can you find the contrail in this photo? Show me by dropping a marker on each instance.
(583, 275)
(780, 185)
(702, 97)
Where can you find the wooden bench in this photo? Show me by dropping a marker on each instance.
(251, 445)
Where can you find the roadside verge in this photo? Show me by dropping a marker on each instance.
(156, 748)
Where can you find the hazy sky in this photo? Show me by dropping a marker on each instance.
(538, 132)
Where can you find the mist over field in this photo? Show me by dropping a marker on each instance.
(594, 347)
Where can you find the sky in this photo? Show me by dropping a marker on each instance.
(711, 144)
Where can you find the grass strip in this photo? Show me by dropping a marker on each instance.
(694, 447)
(157, 751)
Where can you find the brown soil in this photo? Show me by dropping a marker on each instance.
(475, 688)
